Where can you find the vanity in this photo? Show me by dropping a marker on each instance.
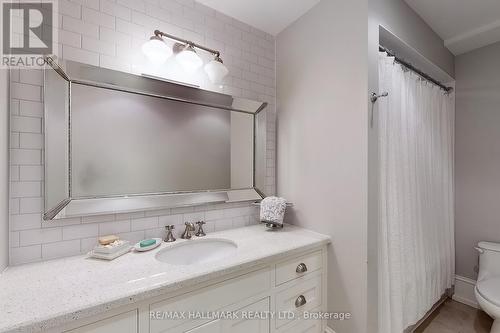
(245, 280)
(173, 146)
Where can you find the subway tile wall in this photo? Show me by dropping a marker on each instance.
(109, 33)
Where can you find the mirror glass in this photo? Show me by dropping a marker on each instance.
(56, 122)
(134, 144)
(112, 149)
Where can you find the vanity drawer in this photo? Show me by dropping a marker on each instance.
(296, 299)
(304, 326)
(297, 267)
(124, 323)
(208, 299)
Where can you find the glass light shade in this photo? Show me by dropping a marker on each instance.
(156, 50)
(216, 71)
(189, 60)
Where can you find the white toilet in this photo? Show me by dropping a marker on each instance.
(487, 289)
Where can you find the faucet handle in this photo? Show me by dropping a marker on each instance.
(187, 232)
(200, 232)
(170, 236)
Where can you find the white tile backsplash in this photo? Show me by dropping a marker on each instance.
(98, 46)
(79, 27)
(25, 189)
(30, 77)
(70, 38)
(25, 157)
(31, 109)
(40, 236)
(25, 222)
(80, 55)
(25, 254)
(26, 92)
(98, 18)
(114, 9)
(26, 124)
(223, 224)
(60, 249)
(30, 141)
(170, 220)
(30, 172)
(31, 205)
(80, 231)
(14, 140)
(114, 227)
(144, 223)
(109, 34)
(70, 8)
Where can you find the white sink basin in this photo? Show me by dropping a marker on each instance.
(200, 251)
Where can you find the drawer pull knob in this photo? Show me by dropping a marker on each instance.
(301, 268)
(300, 301)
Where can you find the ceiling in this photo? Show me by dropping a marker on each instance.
(464, 25)
(271, 16)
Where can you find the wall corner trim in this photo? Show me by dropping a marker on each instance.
(464, 291)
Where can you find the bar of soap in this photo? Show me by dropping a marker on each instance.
(147, 242)
(105, 240)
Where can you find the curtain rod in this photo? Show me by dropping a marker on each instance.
(416, 70)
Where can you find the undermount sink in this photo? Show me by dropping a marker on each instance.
(200, 251)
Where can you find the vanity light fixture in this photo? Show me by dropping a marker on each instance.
(156, 50)
(189, 59)
(216, 70)
(186, 55)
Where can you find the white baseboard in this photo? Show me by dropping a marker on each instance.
(464, 291)
(329, 330)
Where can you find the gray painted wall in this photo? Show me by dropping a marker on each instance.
(4, 169)
(322, 143)
(398, 18)
(477, 159)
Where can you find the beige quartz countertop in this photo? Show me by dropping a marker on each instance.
(49, 294)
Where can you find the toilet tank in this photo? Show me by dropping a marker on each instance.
(489, 260)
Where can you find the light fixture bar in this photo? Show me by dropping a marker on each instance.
(185, 41)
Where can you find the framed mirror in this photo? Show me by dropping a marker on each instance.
(117, 142)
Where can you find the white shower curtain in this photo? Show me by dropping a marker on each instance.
(416, 231)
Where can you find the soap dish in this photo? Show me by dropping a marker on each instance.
(138, 247)
(109, 256)
(109, 249)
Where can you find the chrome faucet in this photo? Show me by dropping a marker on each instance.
(200, 232)
(170, 236)
(189, 229)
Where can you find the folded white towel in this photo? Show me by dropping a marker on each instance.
(272, 210)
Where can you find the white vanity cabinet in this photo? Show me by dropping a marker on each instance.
(266, 298)
(240, 325)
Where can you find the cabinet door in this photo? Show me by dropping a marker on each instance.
(123, 323)
(247, 322)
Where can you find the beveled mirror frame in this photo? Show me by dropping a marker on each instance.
(88, 75)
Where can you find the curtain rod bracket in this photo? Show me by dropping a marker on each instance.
(374, 96)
